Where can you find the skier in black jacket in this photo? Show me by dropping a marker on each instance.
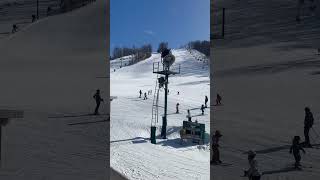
(98, 99)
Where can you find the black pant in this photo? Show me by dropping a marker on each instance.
(297, 158)
(215, 153)
(306, 135)
(96, 111)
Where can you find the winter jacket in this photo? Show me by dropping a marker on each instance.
(308, 120)
(97, 97)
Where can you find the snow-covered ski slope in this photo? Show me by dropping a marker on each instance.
(51, 70)
(131, 152)
(267, 71)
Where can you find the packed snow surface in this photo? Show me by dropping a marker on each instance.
(131, 152)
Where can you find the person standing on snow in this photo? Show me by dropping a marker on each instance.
(14, 28)
(206, 101)
(308, 122)
(253, 172)
(177, 108)
(295, 149)
(140, 92)
(215, 148)
(98, 99)
(189, 116)
(145, 96)
(202, 109)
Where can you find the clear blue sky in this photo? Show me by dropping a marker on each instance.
(136, 22)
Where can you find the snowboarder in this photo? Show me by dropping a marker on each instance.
(189, 115)
(178, 92)
(202, 109)
(218, 100)
(177, 108)
(295, 149)
(206, 101)
(145, 96)
(215, 148)
(308, 122)
(14, 28)
(98, 99)
(253, 172)
(33, 18)
(140, 92)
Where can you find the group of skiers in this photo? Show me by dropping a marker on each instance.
(145, 97)
(202, 108)
(253, 172)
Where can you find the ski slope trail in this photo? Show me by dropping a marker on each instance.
(50, 70)
(266, 73)
(131, 152)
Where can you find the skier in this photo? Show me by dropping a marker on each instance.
(202, 109)
(215, 148)
(177, 108)
(33, 18)
(48, 10)
(178, 93)
(206, 101)
(14, 28)
(253, 172)
(295, 149)
(140, 92)
(98, 99)
(145, 96)
(189, 116)
(218, 100)
(308, 122)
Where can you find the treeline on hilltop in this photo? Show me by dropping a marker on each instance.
(138, 53)
(201, 46)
